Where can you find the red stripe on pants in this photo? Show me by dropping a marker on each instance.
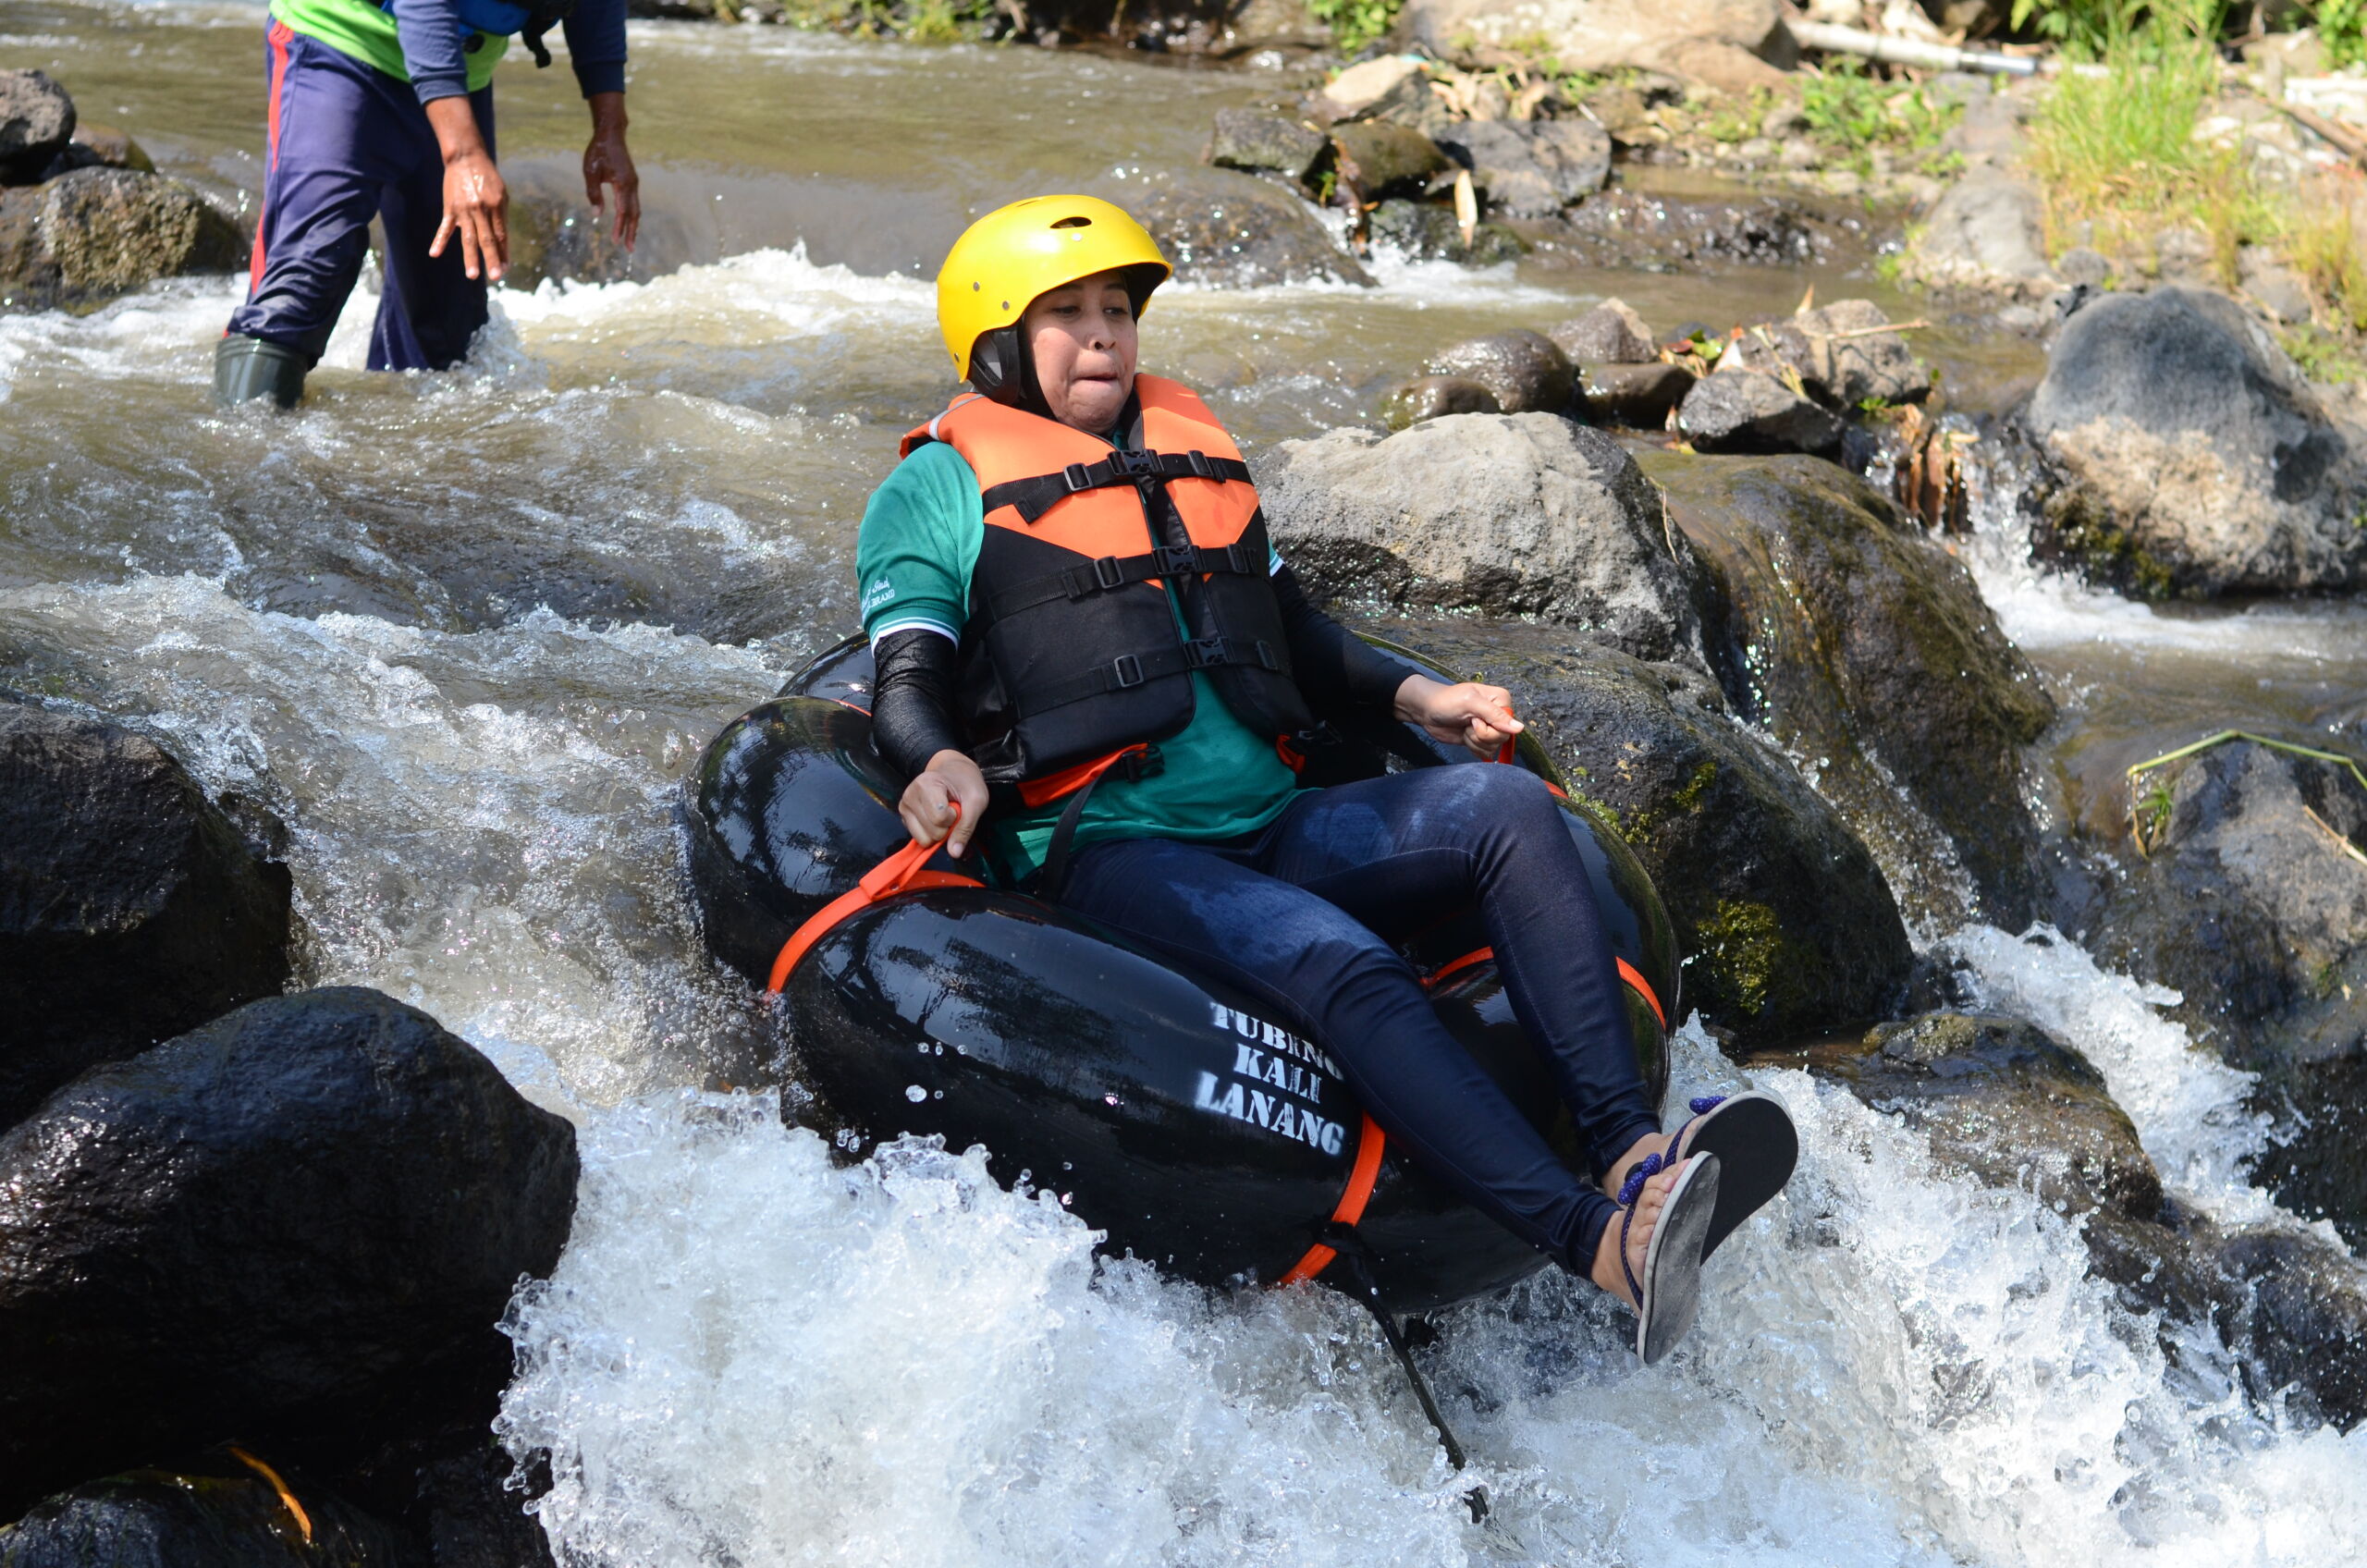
(278, 36)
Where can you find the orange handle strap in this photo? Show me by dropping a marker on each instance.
(899, 873)
(1371, 1143)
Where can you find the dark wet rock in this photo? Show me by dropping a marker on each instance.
(1792, 930)
(98, 146)
(215, 1510)
(1236, 231)
(1427, 231)
(1263, 143)
(1382, 160)
(1655, 231)
(1747, 410)
(299, 1223)
(1531, 168)
(93, 234)
(1523, 370)
(1859, 643)
(2197, 459)
(1508, 514)
(2004, 1100)
(2251, 907)
(1639, 397)
(456, 1496)
(132, 907)
(1842, 354)
(36, 122)
(1611, 333)
(1434, 397)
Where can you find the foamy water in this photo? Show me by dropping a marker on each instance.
(752, 1354)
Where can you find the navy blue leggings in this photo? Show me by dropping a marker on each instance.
(1303, 916)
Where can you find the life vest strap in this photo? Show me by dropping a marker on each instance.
(1032, 496)
(1078, 784)
(1109, 573)
(1129, 670)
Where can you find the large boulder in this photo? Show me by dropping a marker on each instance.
(1234, 230)
(227, 1508)
(1650, 231)
(1727, 44)
(1522, 369)
(1257, 142)
(2002, 1100)
(1987, 235)
(1381, 159)
(1531, 168)
(2250, 903)
(131, 907)
(301, 1220)
(2199, 460)
(36, 123)
(1790, 927)
(1508, 514)
(93, 234)
(1858, 641)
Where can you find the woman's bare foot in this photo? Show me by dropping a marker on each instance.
(1656, 1143)
(1606, 1272)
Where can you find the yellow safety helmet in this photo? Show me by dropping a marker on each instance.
(1006, 259)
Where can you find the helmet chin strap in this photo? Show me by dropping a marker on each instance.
(1002, 371)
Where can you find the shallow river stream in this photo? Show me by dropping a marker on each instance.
(466, 632)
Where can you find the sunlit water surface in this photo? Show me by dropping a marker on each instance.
(465, 632)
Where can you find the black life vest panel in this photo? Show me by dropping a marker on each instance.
(1071, 651)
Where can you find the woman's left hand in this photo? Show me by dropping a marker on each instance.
(1468, 714)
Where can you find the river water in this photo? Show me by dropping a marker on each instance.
(466, 632)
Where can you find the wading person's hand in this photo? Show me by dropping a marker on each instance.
(476, 203)
(927, 807)
(1464, 715)
(608, 164)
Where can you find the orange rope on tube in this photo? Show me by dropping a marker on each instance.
(899, 872)
(1371, 1143)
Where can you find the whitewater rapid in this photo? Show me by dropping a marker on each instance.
(752, 1354)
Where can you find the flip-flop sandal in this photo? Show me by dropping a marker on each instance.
(1669, 1293)
(1757, 1146)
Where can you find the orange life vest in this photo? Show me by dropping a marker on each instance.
(1073, 651)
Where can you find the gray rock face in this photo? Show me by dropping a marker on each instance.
(1856, 641)
(2200, 461)
(1637, 397)
(1237, 231)
(1525, 372)
(2248, 907)
(302, 1216)
(1382, 160)
(1434, 397)
(93, 234)
(1531, 168)
(36, 121)
(1748, 411)
(1259, 143)
(1791, 928)
(1509, 514)
(1425, 231)
(1986, 233)
(1841, 353)
(1627, 228)
(1611, 333)
(130, 908)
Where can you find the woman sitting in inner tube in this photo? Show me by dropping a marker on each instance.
(1086, 654)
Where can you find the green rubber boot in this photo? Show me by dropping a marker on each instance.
(246, 368)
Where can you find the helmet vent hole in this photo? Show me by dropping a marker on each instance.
(1074, 223)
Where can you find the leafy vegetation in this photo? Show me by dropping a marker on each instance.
(921, 22)
(1851, 108)
(1355, 23)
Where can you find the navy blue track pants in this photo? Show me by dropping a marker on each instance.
(348, 141)
(1304, 915)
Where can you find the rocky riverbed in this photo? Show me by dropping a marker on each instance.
(387, 1157)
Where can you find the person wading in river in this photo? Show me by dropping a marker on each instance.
(387, 109)
(1087, 653)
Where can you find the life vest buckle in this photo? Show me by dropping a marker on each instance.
(1126, 670)
(1108, 573)
(1177, 560)
(1137, 462)
(1201, 467)
(1203, 652)
(1078, 477)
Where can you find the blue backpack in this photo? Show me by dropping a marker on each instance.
(502, 17)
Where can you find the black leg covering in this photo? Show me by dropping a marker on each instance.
(246, 368)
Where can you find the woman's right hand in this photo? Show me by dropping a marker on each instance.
(927, 807)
